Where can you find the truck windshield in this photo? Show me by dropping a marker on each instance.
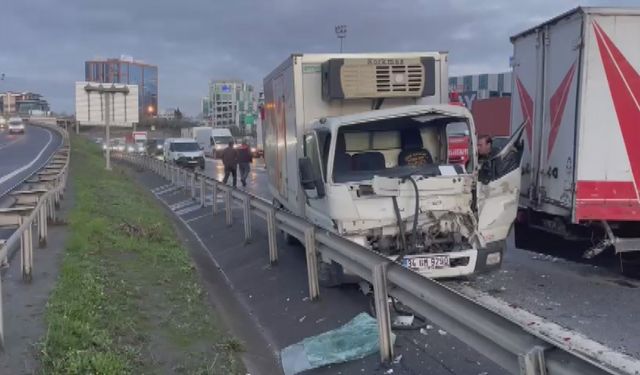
(185, 146)
(396, 147)
(222, 140)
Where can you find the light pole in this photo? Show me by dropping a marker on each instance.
(341, 33)
(110, 92)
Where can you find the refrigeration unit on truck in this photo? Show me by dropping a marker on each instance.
(577, 89)
(357, 144)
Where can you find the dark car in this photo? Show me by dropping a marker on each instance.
(154, 147)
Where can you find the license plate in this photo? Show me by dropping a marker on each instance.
(427, 262)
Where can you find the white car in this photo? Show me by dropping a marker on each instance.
(16, 125)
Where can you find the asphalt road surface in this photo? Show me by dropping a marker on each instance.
(21, 155)
(591, 299)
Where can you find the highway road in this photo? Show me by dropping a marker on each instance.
(21, 155)
(594, 301)
(587, 297)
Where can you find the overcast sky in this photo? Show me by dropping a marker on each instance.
(44, 43)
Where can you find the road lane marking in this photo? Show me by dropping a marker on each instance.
(23, 168)
(198, 217)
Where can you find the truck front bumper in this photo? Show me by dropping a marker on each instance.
(460, 263)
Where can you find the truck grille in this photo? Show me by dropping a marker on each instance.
(399, 78)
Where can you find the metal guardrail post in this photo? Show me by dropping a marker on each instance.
(312, 262)
(227, 207)
(532, 362)
(271, 234)
(203, 191)
(51, 209)
(42, 225)
(379, 278)
(193, 185)
(214, 191)
(26, 252)
(246, 214)
(1, 319)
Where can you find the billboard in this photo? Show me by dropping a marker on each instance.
(94, 101)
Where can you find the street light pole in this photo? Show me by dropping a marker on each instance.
(341, 33)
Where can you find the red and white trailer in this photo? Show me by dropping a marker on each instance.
(576, 85)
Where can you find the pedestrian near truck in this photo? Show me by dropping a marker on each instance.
(244, 161)
(230, 162)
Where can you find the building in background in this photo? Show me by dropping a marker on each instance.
(480, 86)
(24, 103)
(128, 71)
(230, 103)
(92, 105)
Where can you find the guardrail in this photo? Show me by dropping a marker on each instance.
(519, 342)
(35, 207)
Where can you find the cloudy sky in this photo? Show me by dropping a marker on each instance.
(44, 43)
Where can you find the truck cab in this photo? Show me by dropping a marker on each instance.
(385, 180)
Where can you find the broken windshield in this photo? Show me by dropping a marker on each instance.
(396, 147)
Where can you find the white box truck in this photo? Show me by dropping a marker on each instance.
(357, 144)
(577, 88)
(212, 141)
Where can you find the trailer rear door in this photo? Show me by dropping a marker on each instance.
(554, 185)
(527, 73)
(608, 168)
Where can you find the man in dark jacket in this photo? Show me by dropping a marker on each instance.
(230, 162)
(244, 161)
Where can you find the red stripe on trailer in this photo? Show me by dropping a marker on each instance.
(603, 190)
(527, 110)
(606, 200)
(624, 85)
(557, 104)
(619, 211)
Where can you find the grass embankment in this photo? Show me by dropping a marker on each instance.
(128, 299)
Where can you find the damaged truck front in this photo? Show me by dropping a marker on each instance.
(379, 175)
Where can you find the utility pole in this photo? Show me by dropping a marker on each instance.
(341, 33)
(110, 92)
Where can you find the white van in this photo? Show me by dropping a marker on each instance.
(184, 152)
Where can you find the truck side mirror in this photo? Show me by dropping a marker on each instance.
(309, 179)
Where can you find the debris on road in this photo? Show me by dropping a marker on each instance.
(355, 340)
(403, 320)
(442, 333)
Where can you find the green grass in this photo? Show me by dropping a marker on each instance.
(128, 299)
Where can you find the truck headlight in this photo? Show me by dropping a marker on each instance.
(159, 147)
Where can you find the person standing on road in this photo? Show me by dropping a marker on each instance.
(244, 161)
(230, 162)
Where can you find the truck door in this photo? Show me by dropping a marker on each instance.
(316, 149)
(499, 189)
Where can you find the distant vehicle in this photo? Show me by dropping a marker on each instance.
(3, 123)
(154, 147)
(576, 89)
(219, 141)
(16, 125)
(184, 152)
